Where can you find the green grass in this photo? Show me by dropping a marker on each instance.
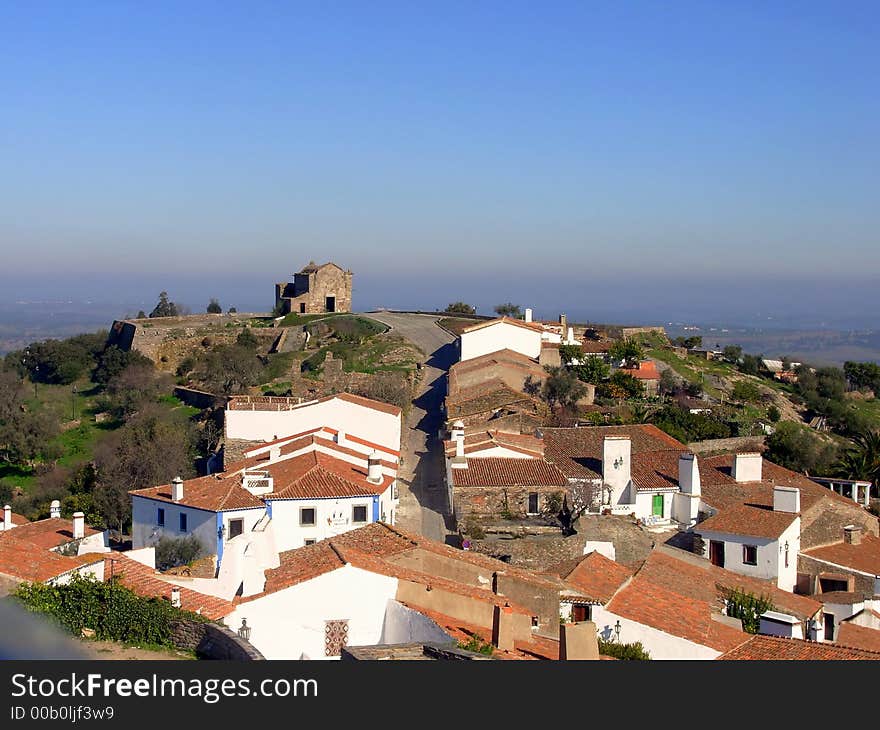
(280, 365)
(293, 319)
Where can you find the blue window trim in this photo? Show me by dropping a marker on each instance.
(160, 516)
(375, 509)
(183, 522)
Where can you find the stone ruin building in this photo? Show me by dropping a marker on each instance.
(315, 290)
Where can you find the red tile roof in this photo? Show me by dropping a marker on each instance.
(578, 451)
(482, 440)
(647, 370)
(25, 561)
(214, 493)
(50, 533)
(597, 577)
(861, 637)
(864, 557)
(504, 320)
(315, 475)
(17, 519)
(595, 347)
(748, 520)
(652, 470)
(146, 582)
(775, 648)
(500, 472)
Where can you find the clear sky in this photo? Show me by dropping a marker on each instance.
(564, 153)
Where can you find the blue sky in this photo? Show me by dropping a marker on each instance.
(503, 150)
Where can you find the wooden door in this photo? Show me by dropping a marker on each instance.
(716, 553)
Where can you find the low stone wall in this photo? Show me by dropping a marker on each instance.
(212, 641)
(738, 443)
(200, 398)
(536, 552)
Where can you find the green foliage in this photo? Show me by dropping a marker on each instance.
(247, 339)
(798, 448)
(59, 362)
(751, 364)
(862, 460)
(113, 611)
(628, 350)
(634, 651)
(174, 551)
(164, 308)
(592, 369)
(863, 375)
(688, 342)
(473, 528)
(631, 386)
(112, 361)
(509, 310)
(229, 369)
(732, 353)
(746, 391)
(460, 308)
(477, 645)
(214, 307)
(687, 427)
(668, 382)
(748, 607)
(560, 387)
(773, 414)
(567, 353)
(355, 330)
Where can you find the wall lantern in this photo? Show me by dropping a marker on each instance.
(244, 631)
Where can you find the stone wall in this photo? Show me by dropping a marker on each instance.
(199, 398)
(736, 444)
(535, 553)
(308, 293)
(861, 584)
(212, 641)
(498, 501)
(823, 524)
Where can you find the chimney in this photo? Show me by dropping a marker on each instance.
(689, 474)
(176, 489)
(55, 509)
(528, 315)
(457, 430)
(175, 596)
(502, 627)
(747, 467)
(459, 447)
(569, 340)
(374, 468)
(274, 453)
(563, 323)
(578, 641)
(616, 452)
(340, 437)
(787, 499)
(79, 525)
(852, 535)
(7, 517)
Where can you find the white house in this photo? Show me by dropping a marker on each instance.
(755, 540)
(500, 334)
(265, 418)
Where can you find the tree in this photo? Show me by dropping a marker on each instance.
(459, 308)
(579, 499)
(732, 353)
(797, 448)
(746, 392)
(229, 369)
(141, 314)
(172, 552)
(668, 382)
(25, 436)
(592, 369)
(862, 460)
(773, 414)
(135, 387)
(561, 387)
(509, 310)
(627, 350)
(751, 364)
(113, 361)
(165, 308)
(247, 339)
(630, 386)
(567, 353)
(232, 310)
(747, 607)
(863, 375)
(214, 307)
(688, 342)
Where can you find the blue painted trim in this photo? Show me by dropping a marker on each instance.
(375, 509)
(269, 508)
(219, 538)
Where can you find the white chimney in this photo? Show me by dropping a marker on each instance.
(528, 315)
(274, 453)
(374, 468)
(616, 453)
(569, 340)
(457, 430)
(459, 447)
(340, 438)
(175, 596)
(689, 474)
(747, 467)
(7, 518)
(176, 489)
(79, 525)
(55, 509)
(787, 499)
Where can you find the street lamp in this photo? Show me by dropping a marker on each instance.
(617, 631)
(244, 631)
(73, 404)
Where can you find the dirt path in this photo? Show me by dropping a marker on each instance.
(114, 650)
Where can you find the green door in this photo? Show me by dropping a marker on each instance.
(658, 505)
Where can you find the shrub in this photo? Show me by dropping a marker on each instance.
(633, 651)
(477, 645)
(174, 551)
(748, 607)
(214, 307)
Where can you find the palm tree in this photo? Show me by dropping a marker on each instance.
(862, 460)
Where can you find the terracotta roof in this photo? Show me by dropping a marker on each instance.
(504, 320)
(25, 561)
(597, 577)
(499, 472)
(595, 347)
(861, 637)
(485, 396)
(696, 578)
(578, 451)
(146, 582)
(214, 493)
(653, 605)
(482, 440)
(748, 520)
(50, 533)
(300, 565)
(652, 470)
(282, 403)
(864, 557)
(315, 475)
(775, 648)
(647, 370)
(840, 597)
(17, 519)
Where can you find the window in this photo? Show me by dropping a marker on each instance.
(581, 613)
(533, 503)
(359, 513)
(307, 516)
(183, 521)
(236, 527)
(309, 541)
(750, 554)
(534, 622)
(160, 517)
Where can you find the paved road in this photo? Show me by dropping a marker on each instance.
(424, 505)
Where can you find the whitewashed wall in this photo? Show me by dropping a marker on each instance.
(289, 534)
(500, 336)
(659, 644)
(645, 505)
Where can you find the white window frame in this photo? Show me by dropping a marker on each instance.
(314, 517)
(366, 519)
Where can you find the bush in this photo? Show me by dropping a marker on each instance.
(214, 307)
(633, 651)
(773, 414)
(475, 644)
(460, 308)
(113, 611)
(174, 551)
(748, 607)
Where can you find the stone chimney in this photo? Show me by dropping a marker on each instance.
(616, 453)
(175, 596)
(79, 525)
(747, 467)
(689, 474)
(578, 641)
(503, 628)
(176, 489)
(563, 323)
(528, 315)
(852, 535)
(55, 509)
(787, 499)
(7, 518)
(374, 468)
